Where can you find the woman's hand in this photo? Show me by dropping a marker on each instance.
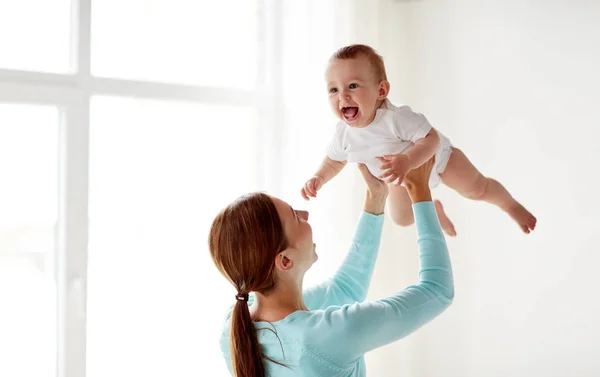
(417, 182)
(377, 192)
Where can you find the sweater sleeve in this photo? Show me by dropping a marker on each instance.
(346, 333)
(351, 281)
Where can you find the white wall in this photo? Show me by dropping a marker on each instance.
(515, 84)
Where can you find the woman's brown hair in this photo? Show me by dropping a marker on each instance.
(244, 240)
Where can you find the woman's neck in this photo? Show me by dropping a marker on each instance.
(278, 304)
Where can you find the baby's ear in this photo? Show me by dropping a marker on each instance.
(384, 89)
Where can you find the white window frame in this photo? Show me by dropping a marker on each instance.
(71, 93)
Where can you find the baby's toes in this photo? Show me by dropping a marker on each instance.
(532, 222)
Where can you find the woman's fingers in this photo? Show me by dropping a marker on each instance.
(386, 174)
(375, 186)
(392, 178)
(421, 174)
(365, 172)
(369, 178)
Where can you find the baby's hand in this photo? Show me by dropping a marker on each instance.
(395, 167)
(311, 187)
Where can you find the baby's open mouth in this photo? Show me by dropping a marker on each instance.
(350, 113)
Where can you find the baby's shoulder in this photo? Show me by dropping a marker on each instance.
(399, 116)
(400, 109)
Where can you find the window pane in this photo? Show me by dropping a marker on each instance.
(29, 210)
(203, 42)
(159, 172)
(35, 35)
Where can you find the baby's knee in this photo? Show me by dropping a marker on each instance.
(479, 189)
(402, 219)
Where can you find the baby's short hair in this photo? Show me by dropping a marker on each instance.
(356, 50)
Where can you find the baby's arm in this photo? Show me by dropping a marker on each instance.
(327, 171)
(423, 149)
(395, 167)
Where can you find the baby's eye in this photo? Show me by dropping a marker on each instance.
(332, 90)
(353, 86)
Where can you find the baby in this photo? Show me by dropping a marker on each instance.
(391, 140)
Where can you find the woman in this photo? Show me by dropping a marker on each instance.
(263, 246)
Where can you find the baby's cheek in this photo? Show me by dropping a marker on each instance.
(336, 112)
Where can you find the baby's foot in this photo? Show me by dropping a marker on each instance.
(445, 222)
(523, 217)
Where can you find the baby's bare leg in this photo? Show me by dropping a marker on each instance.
(462, 176)
(400, 207)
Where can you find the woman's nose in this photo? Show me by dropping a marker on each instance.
(303, 215)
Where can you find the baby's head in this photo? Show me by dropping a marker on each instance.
(357, 84)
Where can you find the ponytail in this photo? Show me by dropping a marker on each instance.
(246, 355)
(244, 240)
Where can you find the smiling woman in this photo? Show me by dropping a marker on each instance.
(264, 247)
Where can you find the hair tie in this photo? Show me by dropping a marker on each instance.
(242, 297)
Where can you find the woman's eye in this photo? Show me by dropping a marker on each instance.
(353, 86)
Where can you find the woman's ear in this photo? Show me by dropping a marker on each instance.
(384, 89)
(283, 262)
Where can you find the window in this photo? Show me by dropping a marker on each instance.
(124, 127)
(115, 119)
(35, 40)
(28, 219)
(201, 42)
(159, 172)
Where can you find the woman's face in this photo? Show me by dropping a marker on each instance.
(298, 233)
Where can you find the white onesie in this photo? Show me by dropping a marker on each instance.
(394, 130)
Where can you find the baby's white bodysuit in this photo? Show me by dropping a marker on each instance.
(394, 130)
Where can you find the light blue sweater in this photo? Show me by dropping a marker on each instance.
(332, 338)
